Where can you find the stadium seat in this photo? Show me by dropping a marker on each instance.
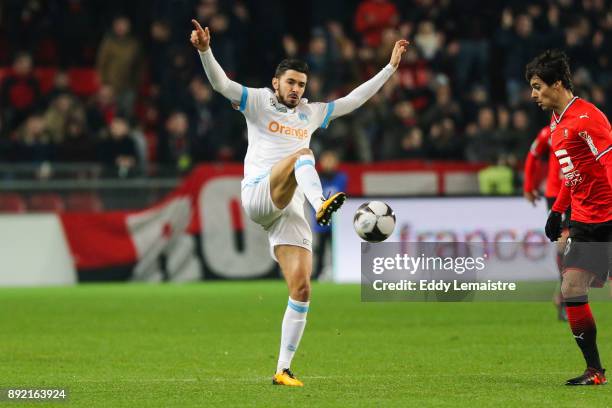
(45, 77)
(46, 202)
(47, 52)
(84, 81)
(4, 71)
(84, 202)
(12, 203)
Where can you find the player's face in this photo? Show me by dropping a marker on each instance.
(290, 87)
(542, 93)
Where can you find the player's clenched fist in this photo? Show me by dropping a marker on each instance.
(400, 47)
(200, 37)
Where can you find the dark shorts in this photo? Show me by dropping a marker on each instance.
(566, 217)
(589, 247)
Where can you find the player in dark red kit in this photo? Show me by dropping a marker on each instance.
(582, 142)
(539, 151)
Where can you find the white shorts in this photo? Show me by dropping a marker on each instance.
(285, 227)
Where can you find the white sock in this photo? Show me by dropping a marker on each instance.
(308, 179)
(292, 330)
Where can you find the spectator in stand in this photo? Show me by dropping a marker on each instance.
(159, 50)
(77, 145)
(443, 142)
(175, 142)
(476, 99)
(19, 92)
(578, 41)
(290, 46)
(428, 40)
(345, 70)
(33, 142)
(117, 150)
(519, 44)
(385, 126)
(62, 107)
(61, 85)
(208, 132)
(518, 140)
(414, 78)
(388, 38)
(372, 17)
(369, 126)
(101, 109)
(497, 179)
(504, 134)
(206, 10)
(466, 57)
(481, 139)
(225, 47)
(599, 98)
(443, 106)
(411, 145)
(601, 64)
(333, 180)
(120, 63)
(318, 57)
(174, 88)
(404, 115)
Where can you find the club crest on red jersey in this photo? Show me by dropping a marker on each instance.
(587, 138)
(553, 126)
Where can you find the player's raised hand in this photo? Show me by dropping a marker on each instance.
(200, 37)
(400, 48)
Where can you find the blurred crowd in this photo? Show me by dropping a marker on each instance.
(459, 93)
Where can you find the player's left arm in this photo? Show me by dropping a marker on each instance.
(606, 161)
(365, 91)
(597, 134)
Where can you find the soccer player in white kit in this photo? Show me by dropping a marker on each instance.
(279, 171)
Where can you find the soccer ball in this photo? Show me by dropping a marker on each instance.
(374, 221)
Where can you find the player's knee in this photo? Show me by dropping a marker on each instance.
(304, 152)
(301, 290)
(573, 288)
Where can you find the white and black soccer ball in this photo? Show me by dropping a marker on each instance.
(374, 221)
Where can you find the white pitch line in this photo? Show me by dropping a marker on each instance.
(305, 377)
(140, 380)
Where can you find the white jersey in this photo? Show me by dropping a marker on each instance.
(276, 131)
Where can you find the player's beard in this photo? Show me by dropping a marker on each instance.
(287, 102)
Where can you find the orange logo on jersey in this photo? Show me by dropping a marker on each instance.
(276, 127)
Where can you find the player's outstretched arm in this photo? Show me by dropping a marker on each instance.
(530, 192)
(366, 90)
(200, 39)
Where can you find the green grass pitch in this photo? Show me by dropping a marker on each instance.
(216, 344)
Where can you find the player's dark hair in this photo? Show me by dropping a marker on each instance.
(291, 63)
(551, 66)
